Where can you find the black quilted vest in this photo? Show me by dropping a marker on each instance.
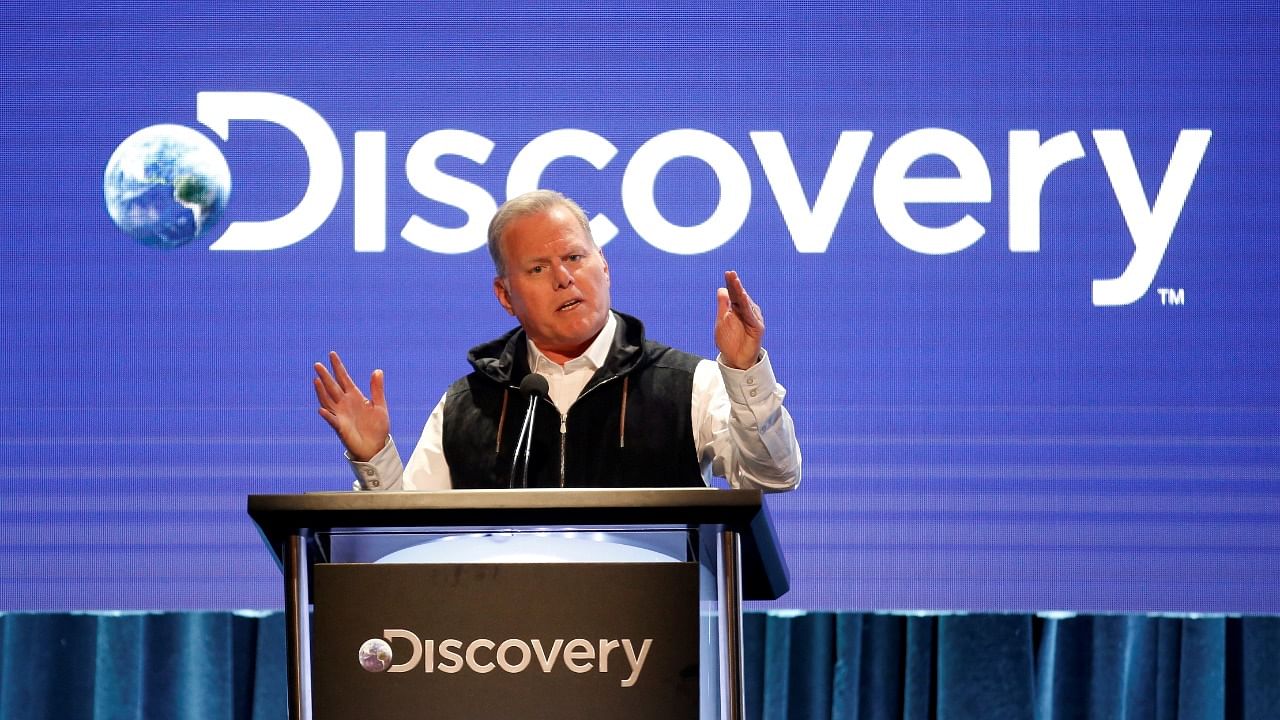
(594, 444)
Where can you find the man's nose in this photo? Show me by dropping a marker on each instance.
(563, 277)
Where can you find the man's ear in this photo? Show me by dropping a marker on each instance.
(504, 298)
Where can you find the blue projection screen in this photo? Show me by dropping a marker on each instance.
(1018, 269)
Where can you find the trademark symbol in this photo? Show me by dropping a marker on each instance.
(1172, 296)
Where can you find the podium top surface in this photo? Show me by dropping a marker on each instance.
(282, 514)
(743, 511)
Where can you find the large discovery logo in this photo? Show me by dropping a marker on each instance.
(166, 185)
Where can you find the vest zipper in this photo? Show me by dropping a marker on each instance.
(564, 426)
(564, 430)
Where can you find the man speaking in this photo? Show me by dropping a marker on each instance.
(615, 410)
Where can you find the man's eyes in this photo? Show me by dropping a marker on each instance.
(574, 258)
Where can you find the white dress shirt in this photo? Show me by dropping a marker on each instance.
(741, 430)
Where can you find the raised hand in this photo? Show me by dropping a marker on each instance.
(739, 324)
(362, 424)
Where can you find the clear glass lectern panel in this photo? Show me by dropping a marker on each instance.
(510, 545)
(585, 544)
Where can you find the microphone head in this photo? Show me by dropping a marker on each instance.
(534, 384)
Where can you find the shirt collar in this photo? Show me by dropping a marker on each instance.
(594, 357)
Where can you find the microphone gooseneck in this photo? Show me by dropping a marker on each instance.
(532, 386)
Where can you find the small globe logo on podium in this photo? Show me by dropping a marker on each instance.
(375, 655)
(166, 185)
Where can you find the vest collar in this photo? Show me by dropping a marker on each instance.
(506, 359)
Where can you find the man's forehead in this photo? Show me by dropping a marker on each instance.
(541, 234)
(549, 248)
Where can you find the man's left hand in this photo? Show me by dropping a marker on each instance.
(739, 324)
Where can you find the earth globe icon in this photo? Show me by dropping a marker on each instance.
(166, 185)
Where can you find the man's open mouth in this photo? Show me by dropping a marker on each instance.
(569, 305)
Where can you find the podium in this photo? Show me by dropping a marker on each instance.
(519, 603)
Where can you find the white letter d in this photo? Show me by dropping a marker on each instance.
(217, 109)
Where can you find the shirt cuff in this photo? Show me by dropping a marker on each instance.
(381, 471)
(750, 387)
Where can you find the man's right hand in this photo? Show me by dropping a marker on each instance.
(362, 424)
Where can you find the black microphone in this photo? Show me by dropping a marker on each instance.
(532, 386)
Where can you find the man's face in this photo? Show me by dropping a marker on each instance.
(556, 284)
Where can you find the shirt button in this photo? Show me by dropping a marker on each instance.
(751, 380)
(373, 483)
(752, 393)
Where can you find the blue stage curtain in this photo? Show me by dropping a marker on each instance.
(1011, 667)
(211, 666)
(201, 666)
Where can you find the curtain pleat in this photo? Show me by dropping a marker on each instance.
(1256, 679)
(845, 666)
(884, 664)
(920, 686)
(846, 674)
(119, 660)
(49, 667)
(985, 667)
(269, 698)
